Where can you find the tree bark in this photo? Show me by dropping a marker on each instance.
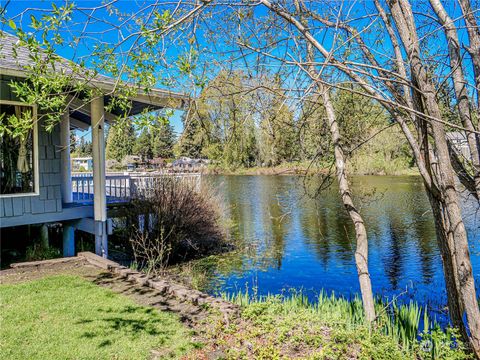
(361, 251)
(446, 245)
(474, 49)
(436, 170)
(452, 223)
(459, 83)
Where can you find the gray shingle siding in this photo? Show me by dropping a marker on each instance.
(8, 206)
(27, 203)
(17, 204)
(38, 205)
(50, 206)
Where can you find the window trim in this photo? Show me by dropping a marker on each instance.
(35, 162)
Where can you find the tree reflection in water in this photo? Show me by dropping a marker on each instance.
(288, 239)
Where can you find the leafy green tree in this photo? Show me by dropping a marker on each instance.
(278, 133)
(313, 135)
(193, 141)
(358, 117)
(219, 125)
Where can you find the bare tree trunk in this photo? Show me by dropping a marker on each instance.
(451, 213)
(400, 67)
(361, 251)
(474, 39)
(446, 245)
(422, 158)
(459, 83)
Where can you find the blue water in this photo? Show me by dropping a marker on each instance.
(293, 240)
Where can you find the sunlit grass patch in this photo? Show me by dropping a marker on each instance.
(67, 317)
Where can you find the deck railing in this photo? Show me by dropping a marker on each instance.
(123, 187)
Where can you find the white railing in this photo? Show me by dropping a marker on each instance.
(125, 186)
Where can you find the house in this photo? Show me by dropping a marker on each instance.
(82, 164)
(459, 142)
(187, 164)
(157, 163)
(35, 174)
(131, 162)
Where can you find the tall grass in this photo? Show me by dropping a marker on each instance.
(409, 325)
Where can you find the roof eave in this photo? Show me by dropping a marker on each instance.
(154, 97)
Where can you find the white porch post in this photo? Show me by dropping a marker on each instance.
(66, 170)
(99, 199)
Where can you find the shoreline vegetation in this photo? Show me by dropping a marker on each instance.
(334, 327)
(328, 327)
(304, 168)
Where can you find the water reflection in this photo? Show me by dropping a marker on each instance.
(292, 240)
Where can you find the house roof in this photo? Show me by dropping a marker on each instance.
(16, 58)
(157, 160)
(458, 136)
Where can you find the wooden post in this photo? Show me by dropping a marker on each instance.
(66, 170)
(99, 194)
(68, 239)
(44, 236)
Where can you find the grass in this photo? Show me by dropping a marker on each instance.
(334, 328)
(67, 317)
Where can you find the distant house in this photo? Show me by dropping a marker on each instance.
(157, 163)
(187, 164)
(458, 139)
(82, 164)
(131, 162)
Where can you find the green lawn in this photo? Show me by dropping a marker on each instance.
(67, 317)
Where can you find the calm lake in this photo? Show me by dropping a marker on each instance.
(292, 241)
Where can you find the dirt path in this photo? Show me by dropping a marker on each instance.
(189, 313)
(77, 266)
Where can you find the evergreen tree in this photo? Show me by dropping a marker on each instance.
(143, 145)
(162, 140)
(156, 140)
(120, 140)
(196, 139)
(84, 148)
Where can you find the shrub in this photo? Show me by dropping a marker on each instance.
(38, 252)
(173, 221)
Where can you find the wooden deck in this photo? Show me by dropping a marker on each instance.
(120, 188)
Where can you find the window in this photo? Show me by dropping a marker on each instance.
(18, 149)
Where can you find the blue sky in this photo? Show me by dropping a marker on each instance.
(212, 51)
(16, 8)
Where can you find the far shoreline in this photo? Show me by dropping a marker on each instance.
(302, 171)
